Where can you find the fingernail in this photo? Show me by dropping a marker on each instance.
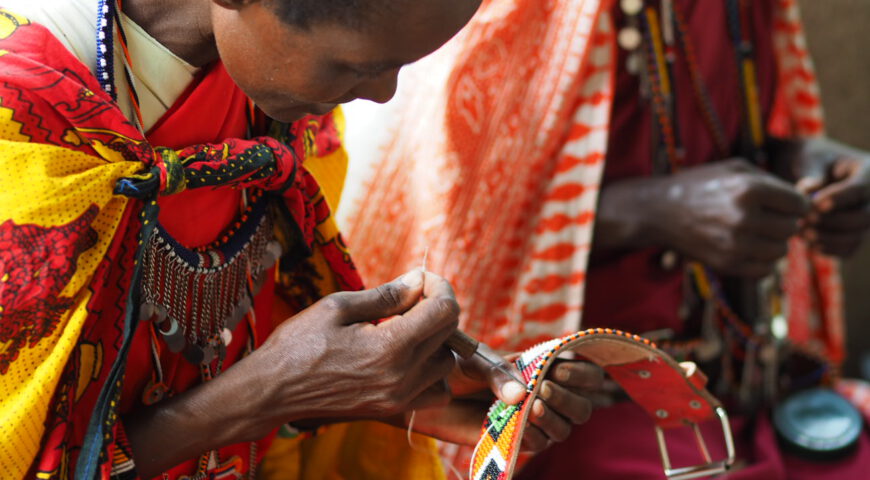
(513, 390)
(546, 391)
(413, 279)
(826, 205)
(538, 408)
(562, 375)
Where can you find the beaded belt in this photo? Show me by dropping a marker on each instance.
(672, 393)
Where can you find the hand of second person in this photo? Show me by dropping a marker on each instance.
(840, 213)
(729, 215)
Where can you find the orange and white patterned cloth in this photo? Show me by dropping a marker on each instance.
(492, 157)
(492, 153)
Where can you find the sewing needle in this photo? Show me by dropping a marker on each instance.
(466, 346)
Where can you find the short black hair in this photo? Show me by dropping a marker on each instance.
(348, 13)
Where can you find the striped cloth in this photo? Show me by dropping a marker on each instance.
(491, 155)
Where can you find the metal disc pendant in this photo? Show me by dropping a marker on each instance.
(162, 313)
(226, 337)
(629, 38)
(208, 353)
(631, 7)
(172, 335)
(147, 311)
(194, 354)
(272, 254)
(239, 313)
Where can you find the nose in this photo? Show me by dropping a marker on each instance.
(380, 89)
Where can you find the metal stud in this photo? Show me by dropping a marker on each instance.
(631, 7)
(629, 38)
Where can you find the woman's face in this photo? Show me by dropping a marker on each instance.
(290, 72)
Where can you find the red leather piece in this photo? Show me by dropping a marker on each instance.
(670, 398)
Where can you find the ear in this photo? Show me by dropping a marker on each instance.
(234, 4)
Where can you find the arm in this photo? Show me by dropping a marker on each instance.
(564, 401)
(326, 362)
(729, 215)
(837, 179)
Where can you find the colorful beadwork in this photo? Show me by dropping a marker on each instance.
(496, 452)
(106, 14)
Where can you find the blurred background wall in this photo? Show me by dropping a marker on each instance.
(835, 33)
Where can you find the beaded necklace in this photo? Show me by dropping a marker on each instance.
(665, 33)
(660, 33)
(108, 19)
(193, 298)
(744, 48)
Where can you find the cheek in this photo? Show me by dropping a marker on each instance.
(274, 74)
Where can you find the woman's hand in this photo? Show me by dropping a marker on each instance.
(327, 362)
(563, 401)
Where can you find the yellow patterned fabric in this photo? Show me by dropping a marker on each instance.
(35, 189)
(78, 190)
(361, 450)
(353, 451)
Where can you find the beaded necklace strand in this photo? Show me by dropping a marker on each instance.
(661, 52)
(108, 19)
(744, 48)
(662, 34)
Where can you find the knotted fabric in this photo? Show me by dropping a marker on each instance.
(78, 198)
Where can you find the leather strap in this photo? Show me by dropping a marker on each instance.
(673, 394)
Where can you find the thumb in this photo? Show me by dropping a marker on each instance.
(504, 386)
(810, 184)
(387, 300)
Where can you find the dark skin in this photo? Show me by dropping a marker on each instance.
(329, 363)
(737, 218)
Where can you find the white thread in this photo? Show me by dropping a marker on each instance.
(452, 470)
(411, 429)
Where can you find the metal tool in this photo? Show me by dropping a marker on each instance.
(466, 347)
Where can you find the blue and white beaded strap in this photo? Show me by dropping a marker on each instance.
(106, 13)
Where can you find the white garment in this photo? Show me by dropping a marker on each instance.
(160, 76)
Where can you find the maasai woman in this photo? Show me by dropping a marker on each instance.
(142, 213)
(653, 121)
